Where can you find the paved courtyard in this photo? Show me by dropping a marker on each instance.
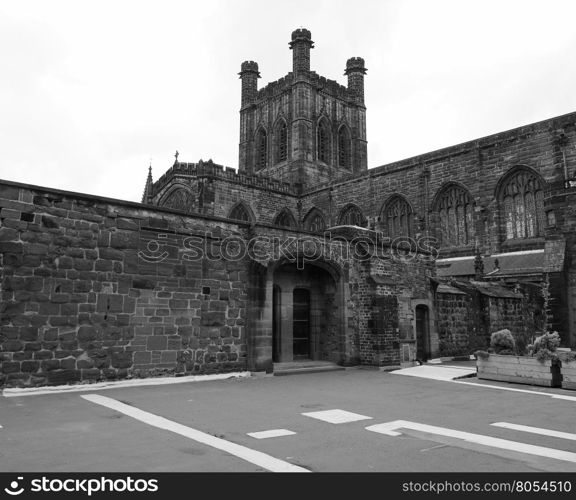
(356, 420)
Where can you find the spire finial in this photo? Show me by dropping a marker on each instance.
(176, 155)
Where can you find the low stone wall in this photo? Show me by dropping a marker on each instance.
(519, 369)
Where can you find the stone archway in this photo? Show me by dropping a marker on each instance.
(271, 320)
(309, 315)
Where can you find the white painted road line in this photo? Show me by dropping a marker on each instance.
(255, 457)
(271, 433)
(390, 429)
(536, 430)
(336, 416)
(525, 391)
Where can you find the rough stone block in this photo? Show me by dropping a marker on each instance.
(213, 318)
(87, 333)
(62, 377)
(124, 240)
(122, 359)
(11, 367)
(157, 343)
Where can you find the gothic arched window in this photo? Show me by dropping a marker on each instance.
(324, 141)
(285, 219)
(179, 199)
(397, 217)
(522, 205)
(314, 221)
(351, 216)
(240, 212)
(455, 208)
(344, 148)
(261, 149)
(281, 134)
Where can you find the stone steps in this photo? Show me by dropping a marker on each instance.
(308, 366)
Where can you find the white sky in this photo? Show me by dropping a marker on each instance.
(91, 91)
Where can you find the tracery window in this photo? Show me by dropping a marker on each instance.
(456, 208)
(315, 222)
(239, 212)
(397, 217)
(352, 216)
(261, 149)
(285, 219)
(522, 201)
(281, 141)
(179, 199)
(324, 142)
(344, 147)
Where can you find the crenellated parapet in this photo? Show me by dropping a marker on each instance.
(209, 169)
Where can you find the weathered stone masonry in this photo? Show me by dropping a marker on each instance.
(99, 289)
(79, 304)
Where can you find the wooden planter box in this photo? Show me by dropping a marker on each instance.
(568, 370)
(520, 370)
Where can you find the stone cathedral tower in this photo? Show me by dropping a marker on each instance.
(303, 129)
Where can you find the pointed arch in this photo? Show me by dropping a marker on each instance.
(241, 211)
(260, 148)
(178, 197)
(344, 147)
(324, 140)
(397, 216)
(315, 220)
(351, 215)
(280, 140)
(454, 207)
(285, 219)
(520, 196)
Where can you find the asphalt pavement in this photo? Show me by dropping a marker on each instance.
(354, 420)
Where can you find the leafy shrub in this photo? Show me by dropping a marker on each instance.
(547, 341)
(480, 354)
(502, 342)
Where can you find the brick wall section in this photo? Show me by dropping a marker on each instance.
(79, 304)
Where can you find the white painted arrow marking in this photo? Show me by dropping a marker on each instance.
(390, 429)
(536, 430)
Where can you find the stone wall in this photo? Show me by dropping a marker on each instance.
(477, 165)
(455, 324)
(80, 303)
(466, 319)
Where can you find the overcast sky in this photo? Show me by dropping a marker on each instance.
(92, 91)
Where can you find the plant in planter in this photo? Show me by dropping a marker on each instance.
(502, 362)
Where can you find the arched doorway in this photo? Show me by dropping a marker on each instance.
(422, 332)
(306, 314)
